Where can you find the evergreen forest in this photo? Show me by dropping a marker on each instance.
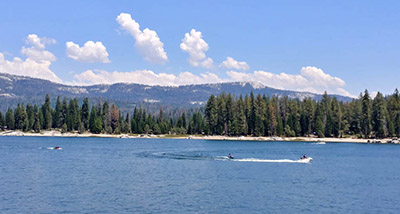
(248, 115)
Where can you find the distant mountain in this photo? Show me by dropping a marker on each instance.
(21, 89)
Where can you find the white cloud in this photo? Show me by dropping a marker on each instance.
(38, 61)
(39, 43)
(231, 63)
(148, 43)
(89, 52)
(37, 50)
(317, 77)
(194, 44)
(146, 77)
(207, 63)
(343, 92)
(310, 79)
(38, 55)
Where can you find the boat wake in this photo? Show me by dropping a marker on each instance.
(320, 143)
(307, 160)
(200, 156)
(178, 156)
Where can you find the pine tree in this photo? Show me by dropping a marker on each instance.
(273, 124)
(355, 118)
(293, 120)
(379, 116)
(336, 118)
(24, 118)
(31, 116)
(259, 115)
(127, 124)
(147, 129)
(211, 114)
(319, 124)
(247, 110)
(85, 113)
(229, 114)
(46, 111)
(106, 118)
(366, 114)
(57, 114)
(241, 117)
(95, 121)
(73, 115)
(307, 116)
(221, 112)
(37, 124)
(63, 113)
(97, 126)
(2, 120)
(18, 117)
(280, 127)
(183, 118)
(393, 107)
(10, 121)
(252, 116)
(156, 129)
(114, 118)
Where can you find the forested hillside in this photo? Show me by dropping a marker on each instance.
(20, 89)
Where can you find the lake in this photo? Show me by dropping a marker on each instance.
(103, 175)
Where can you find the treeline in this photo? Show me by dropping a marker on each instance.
(225, 114)
(264, 116)
(69, 116)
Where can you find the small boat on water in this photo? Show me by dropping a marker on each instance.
(306, 159)
(55, 148)
(321, 143)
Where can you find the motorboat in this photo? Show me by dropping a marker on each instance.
(55, 148)
(306, 159)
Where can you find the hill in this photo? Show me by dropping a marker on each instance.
(20, 89)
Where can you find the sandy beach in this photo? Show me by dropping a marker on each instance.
(54, 133)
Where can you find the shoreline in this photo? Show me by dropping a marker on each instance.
(197, 137)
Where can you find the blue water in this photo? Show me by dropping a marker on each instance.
(100, 175)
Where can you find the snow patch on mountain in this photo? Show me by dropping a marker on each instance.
(151, 101)
(9, 95)
(73, 90)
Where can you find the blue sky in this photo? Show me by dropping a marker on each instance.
(339, 46)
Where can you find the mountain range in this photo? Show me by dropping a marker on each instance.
(21, 89)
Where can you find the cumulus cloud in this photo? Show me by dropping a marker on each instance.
(37, 62)
(38, 55)
(146, 77)
(231, 63)
(37, 50)
(148, 44)
(89, 52)
(310, 79)
(195, 46)
(319, 78)
(39, 43)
